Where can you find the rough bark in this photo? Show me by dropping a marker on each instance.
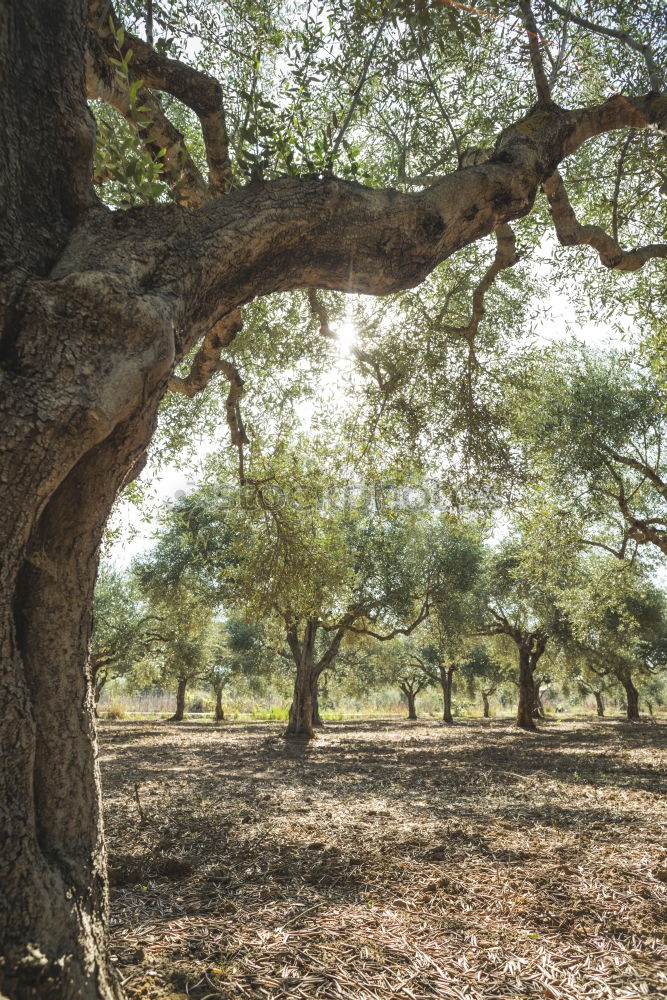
(632, 698)
(300, 722)
(53, 907)
(524, 715)
(412, 708)
(447, 681)
(219, 711)
(179, 714)
(318, 721)
(599, 703)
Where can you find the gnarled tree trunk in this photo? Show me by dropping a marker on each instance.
(632, 698)
(179, 714)
(304, 713)
(53, 905)
(300, 723)
(524, 715)
(75, 423)
(219, 711)
(318, 722)
(447, 681)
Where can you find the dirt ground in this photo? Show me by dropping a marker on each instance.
(387, 859)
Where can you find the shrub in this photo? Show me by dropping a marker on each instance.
(116, 710)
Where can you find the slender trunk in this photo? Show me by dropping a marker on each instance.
(599, 703)
(219, 711)
(412, 708)
(446, 680)
(485, 702)
(632, 697)
(524, 717)
(179, 714)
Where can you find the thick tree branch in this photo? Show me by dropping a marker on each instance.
(188, 268)
(571, 232)
(206, 364)
(207, 361)
(198, 91)
(153, 126)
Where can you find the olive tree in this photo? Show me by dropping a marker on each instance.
(594, 430)
(99, 306)
(119, 625)
(315, 560)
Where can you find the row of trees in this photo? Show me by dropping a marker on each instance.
(317, 559)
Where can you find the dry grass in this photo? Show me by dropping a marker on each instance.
(393, 860)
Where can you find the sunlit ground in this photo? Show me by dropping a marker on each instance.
(388, 860)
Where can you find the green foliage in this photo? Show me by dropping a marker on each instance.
(131, 172)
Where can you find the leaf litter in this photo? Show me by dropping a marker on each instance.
(388, 860)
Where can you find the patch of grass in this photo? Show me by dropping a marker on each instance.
(115, 711)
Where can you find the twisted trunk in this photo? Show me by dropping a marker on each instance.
(53, 905)
(318, 722)
(219, 711)
(524, 715)
(179, 714)
(304, 714)
(446, 681)
(632, 698)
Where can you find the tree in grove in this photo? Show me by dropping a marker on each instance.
(182, 631)
(483, 673)
(521, 605)
(594, 427)
(235, 649)
(117, 638)
(455, 608)
(301, 550)
(244, 180)
(617, 625)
